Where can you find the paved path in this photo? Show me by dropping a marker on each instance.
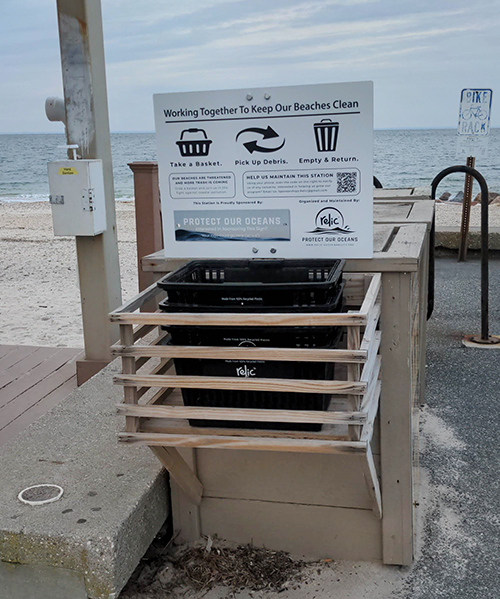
(32, 380)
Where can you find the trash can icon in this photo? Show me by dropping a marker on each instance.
(326, 134)
(194, 146)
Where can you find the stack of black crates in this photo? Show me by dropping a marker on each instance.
(246, 286)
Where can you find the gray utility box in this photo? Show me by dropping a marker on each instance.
(77, 197)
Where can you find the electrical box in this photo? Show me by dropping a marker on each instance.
(77, 197)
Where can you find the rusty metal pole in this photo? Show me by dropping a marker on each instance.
(464, 229)
(87, 125)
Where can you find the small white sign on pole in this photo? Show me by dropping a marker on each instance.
(271, 172)
(474, 122)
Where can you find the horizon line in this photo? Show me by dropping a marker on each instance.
(142, 131)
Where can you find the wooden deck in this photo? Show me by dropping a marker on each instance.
(32, 380)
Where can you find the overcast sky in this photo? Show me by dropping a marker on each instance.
(419, 54)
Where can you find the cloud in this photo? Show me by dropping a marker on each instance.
(420, 50)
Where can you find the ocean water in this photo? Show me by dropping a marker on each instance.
(402, 158)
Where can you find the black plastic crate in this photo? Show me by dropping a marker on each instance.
(259, 283)
(259, 369)
(237, 336)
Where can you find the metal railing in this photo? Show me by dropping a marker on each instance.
(484, 338)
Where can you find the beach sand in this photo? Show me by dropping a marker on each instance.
(40, 299)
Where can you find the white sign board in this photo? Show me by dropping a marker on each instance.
(474, 122)
(272, 172)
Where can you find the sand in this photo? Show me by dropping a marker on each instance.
(40, 299)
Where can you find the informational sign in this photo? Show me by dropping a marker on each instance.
(474, 122)
(270, 172)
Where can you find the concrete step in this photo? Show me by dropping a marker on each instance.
(115, 498)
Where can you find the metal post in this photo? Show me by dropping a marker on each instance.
(464, 230)
(484, 338)
(87, 124)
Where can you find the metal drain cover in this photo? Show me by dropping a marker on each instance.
(40, 494)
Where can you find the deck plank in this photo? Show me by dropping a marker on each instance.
(32, 381)
(15, 356)
(37, 410)
(34, 376)
(15, 371)
(5, 349)
(35, 393)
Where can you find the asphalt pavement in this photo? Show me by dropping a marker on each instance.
(460, 455)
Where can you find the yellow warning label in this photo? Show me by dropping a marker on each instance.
(68, 170)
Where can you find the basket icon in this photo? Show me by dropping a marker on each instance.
(194, 146)
(326, 134)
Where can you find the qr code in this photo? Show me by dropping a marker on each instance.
(347, 182)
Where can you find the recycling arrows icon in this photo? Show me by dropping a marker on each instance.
(253, 146)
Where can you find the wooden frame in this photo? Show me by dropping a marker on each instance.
(161, 422)
(403, 210)
(401, 255)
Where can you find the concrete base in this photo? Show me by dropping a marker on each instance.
(41, 582)
(449, 238)
(115, 498)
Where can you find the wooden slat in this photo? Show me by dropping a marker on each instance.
(137, 301)
(242, 414)
(15, 356)
(5, 349)
(39, 408)
(246, 319)
(182, 427)
(397, 193)
(35, 376)
(371, 391)
(373, 319)
(26, 364)
(372, 483)
(142, 331)
(247, 384)
(259, 444)
(422, 212)
(353, 343)
(396, 420)
(180, 472)
(243, 353)
(162, 368)
(391, 211)
(129, 368)
(367, 372)
(159, 397)
(371, 294)
(408, 243)
(36, 392)
(144, 359)
(367, 432)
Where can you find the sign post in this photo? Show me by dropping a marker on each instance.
(473, 129)
(282, 172)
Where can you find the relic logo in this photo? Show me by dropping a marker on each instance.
(330, 221)
(245, 371)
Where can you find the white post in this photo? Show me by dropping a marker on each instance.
(87, 124)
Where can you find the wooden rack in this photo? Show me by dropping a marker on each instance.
(156, 416)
